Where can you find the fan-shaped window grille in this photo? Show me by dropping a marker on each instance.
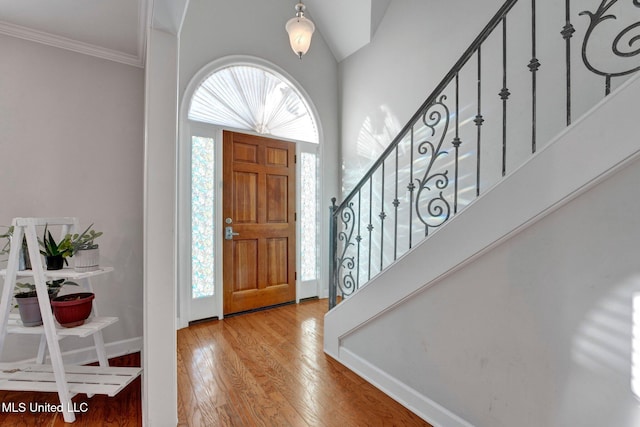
(252, 98)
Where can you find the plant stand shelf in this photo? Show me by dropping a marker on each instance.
(80, 379)
(66, 380)
(65, 273)
(90, 327)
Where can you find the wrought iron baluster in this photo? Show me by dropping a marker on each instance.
(396, 203)
(479, 120)
(358, 239)
(411, 187)
(370, 226)
(456, 144)
(534, 65)
(567, 34)
(333, 230)
(382, 216)
(504, 95)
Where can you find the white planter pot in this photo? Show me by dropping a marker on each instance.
(87, 260)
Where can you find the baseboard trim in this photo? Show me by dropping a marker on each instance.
(88, 355)
(421, 405)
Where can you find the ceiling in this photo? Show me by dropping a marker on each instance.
(346, 26)
(115, 29)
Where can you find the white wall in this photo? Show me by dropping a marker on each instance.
(213, 30)
(71, 138)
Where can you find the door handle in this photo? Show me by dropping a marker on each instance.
(228, 233)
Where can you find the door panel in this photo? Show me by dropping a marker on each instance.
(245, 253)
(277, 267)
(247, 153)
(277, 209)
(277, 157)
(245, 198)
(259, 203)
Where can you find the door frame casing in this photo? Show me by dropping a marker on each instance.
(189, 128)
(183, 248)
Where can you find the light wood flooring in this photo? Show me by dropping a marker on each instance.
(123, 410)
(268, 368)
(260, 369)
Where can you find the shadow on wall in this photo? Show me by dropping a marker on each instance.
(376, 133)
(606, 349)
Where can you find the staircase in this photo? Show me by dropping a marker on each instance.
(480, 310)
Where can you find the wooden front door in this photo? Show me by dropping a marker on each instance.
(259, 204)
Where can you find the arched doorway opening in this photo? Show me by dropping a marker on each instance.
(249, 95)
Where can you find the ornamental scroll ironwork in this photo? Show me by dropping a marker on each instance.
(617, 47)
(428, 201)
(345, 264)
(431, 206)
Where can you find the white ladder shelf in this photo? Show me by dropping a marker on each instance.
(67, 381)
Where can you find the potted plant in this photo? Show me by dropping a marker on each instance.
(27, 299)
(6, 235)
(83, 248)
(72, 309)
(24, 261)
(55, 253)
(28, 308)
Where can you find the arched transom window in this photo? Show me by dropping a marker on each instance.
(252, 98)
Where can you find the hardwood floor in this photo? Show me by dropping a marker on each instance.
(260, 369)
(125, 409)
(268, 369)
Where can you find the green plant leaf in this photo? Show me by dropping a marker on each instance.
(53, 247)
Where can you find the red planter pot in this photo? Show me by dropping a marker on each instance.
(72, 309)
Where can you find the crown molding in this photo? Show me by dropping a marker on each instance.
(70, 44)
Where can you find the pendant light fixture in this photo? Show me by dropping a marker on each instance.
(300, 30)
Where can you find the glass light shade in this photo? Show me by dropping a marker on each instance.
(300, 30)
